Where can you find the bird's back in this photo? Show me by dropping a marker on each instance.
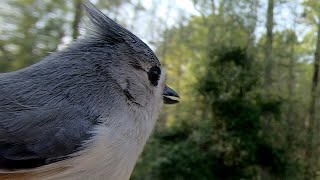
(39, 123)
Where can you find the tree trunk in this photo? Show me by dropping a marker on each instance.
(76, 19)
(268, 47)
(291, 79)
(313, 125)
(251, 28)
(268, 61)
(268, 74)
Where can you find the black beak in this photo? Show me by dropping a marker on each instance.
(170, 96)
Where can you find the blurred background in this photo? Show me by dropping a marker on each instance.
(247, 72)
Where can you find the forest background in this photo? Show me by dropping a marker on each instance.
(247, 72)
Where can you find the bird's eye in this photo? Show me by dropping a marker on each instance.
(154, 75)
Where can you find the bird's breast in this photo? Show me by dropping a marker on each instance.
(110, 153)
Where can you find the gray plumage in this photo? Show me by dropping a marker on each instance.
(55, 109)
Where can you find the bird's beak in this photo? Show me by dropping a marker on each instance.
(170, 96)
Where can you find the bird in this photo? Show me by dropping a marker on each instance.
(84, 112)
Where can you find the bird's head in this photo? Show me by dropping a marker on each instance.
(134, 66)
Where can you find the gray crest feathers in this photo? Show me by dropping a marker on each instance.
(104, 28)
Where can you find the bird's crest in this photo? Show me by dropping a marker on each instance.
(104, 28)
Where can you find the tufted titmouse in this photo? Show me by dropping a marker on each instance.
(84, 112)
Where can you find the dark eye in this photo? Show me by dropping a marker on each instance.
(154, 75)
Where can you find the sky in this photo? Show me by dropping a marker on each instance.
(169, 13)
(283, 14)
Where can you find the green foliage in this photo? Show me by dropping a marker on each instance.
(239, 109)
(230, 73)
(233, 143)
(33, 28)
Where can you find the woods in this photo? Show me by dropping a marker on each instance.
(247, 73)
